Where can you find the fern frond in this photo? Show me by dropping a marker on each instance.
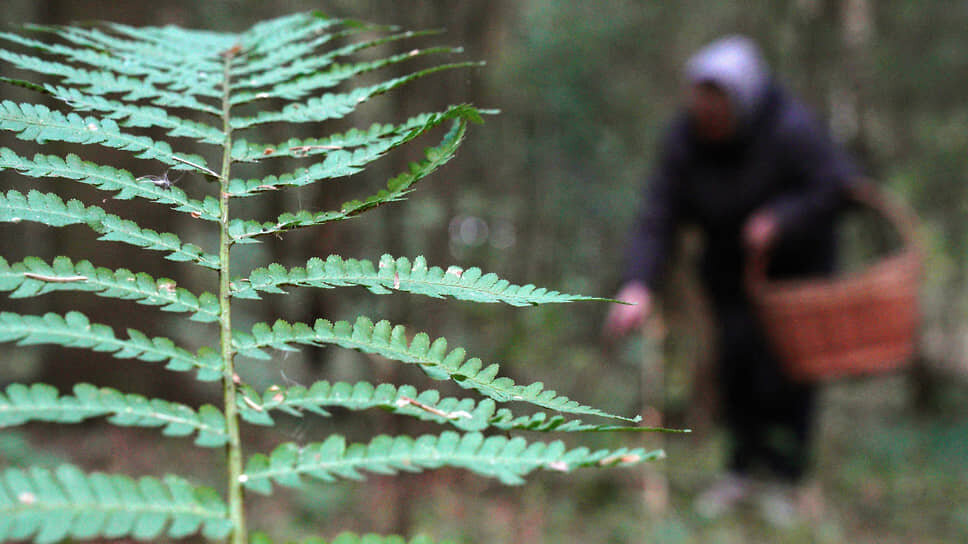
(336, 106)
(67, 503)
(352, 538)
(269, 69)
(156, 54)
(75, 330)
(274, 37)
(508, 460)
(391, 342)
(123, 79)
(35, 122)
(98, 82)
(340, 161)
(41, 402)
(378, 136)
(34, 276)
(464, 414)
(108, 179)
(277, 65)
(156, 46)
(49, 209)
(89, 52)
(336, 74)
(397, 275)
(131, 115)
(241, 231)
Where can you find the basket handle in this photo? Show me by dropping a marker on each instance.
(865, 193)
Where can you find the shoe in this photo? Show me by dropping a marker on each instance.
(723, 496)
(779, 505)
(785, 505)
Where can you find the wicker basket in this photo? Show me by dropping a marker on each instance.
(858, 323)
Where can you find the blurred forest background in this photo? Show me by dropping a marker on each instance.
(545, 193)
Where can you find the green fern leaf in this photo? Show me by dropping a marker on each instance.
(157, 55)
(41, 402)
(391, 342)
(49, 209)
(397, 188)
(278, 71)
(148, 47)
(508, 460)
(463, 414)
(336, 74)
(336, 106)
(171, 42)
(130, 115)
(335, 165)
(67, 503)
(108, 179)
(275, 36)
(346, 154)
(35, 122)
(76, 331)
(285, 39)
(98, 82)
(276, 60)
(33, 277)
(382, 137)
(397, 275)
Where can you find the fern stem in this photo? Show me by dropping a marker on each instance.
(229, 378)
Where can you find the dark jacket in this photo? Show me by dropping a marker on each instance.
(781, 161)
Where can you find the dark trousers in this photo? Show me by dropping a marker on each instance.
(768, 416)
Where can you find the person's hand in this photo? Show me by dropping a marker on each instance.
(622, 318)
(761, 230)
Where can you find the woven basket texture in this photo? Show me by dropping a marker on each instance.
(854, 324)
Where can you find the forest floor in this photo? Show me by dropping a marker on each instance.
(884, 473)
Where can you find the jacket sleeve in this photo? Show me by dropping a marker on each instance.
(819, 171)
(653, 237)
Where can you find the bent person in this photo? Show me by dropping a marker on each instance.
(748, 165)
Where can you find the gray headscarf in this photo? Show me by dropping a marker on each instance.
(733, 63)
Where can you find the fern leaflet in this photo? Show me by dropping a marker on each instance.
(397, 275)
(383, 137)
(391, 341)
(336, 106)
(279, 65)
(34, 122)
(98, 82)
(49, 209)
(302, 86)
(131, 115)
(508, 460)
(33, 277)
(108, 179)
(398, 187)
(427, 405)
(76, 331)
(41, 402)
(280, 41)
(67, 503)
(165, 64)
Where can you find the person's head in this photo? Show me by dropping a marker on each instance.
(727, 80)
(712, 112)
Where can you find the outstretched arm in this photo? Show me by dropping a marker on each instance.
(650, 247)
